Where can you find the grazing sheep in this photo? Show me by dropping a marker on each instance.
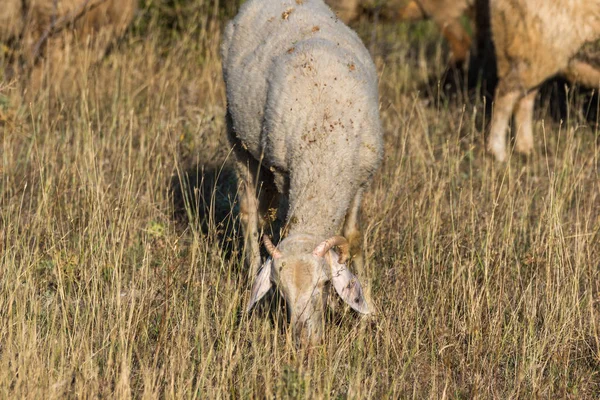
(303, 120)
(534, 40)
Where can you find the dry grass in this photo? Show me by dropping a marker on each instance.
(486, 277)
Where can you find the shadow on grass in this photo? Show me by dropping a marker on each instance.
(563, 99)
(205, 197)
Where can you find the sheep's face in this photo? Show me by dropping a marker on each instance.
(304, 278)
(303, 282)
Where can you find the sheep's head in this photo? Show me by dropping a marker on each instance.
(303, 276)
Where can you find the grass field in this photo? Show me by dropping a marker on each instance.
(117, 280)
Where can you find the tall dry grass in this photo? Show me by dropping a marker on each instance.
(121, 272)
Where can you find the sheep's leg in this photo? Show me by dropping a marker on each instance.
(247, 169)
(584, 73)
(411, 12)
(458, 39)
(268, 202)
(258, 204)
(503, 109)
(353, 233)
(249, 213)
(524, 123)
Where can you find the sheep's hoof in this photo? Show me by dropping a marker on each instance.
(497, 150)
(525, 147)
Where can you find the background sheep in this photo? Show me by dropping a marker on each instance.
(11, 21)
(304, 122)
(46, 29)
(447, 15)
(535, 40)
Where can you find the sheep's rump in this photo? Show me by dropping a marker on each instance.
(299, 80)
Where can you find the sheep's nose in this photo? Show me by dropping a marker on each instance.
(307, 333)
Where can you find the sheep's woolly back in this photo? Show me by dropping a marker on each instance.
(302, 95)
(535, 39)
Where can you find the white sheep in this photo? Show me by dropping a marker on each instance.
(534, 40)
(303, 119)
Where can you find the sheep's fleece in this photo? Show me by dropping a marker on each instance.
(302, 97)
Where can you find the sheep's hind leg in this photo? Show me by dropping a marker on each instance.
(584, 73)
(411, 12)
(248, 170)
(524, 123)
(353, 232)
(249, 212)
(459, 41)
(268, 204)
(503, 109)
(258, 204)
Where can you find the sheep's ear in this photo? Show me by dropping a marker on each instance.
(346, 284)
(261, 284)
